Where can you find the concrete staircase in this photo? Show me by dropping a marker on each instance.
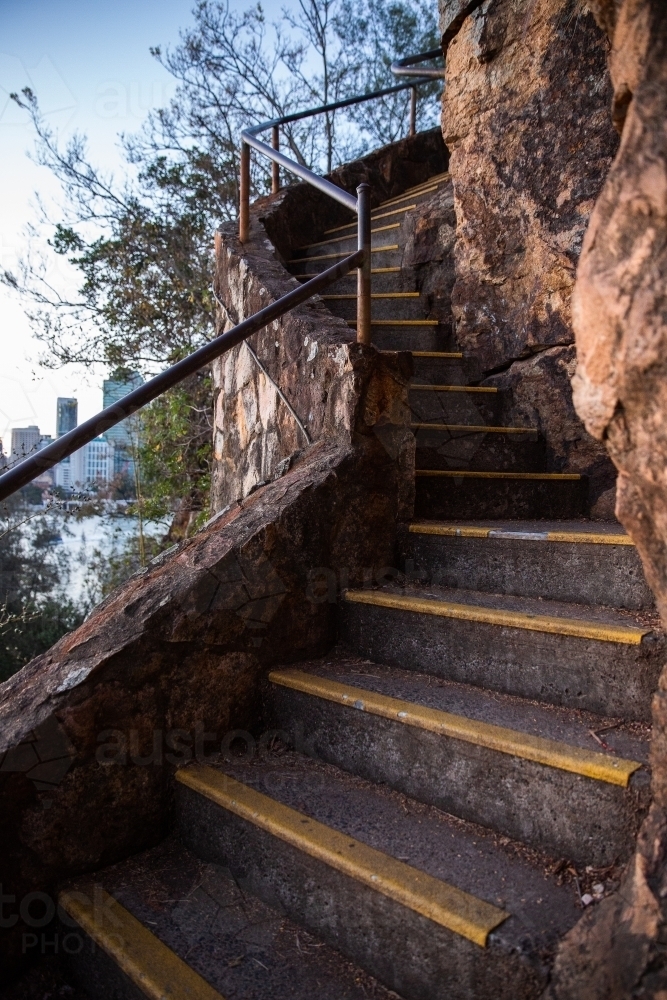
(434, 804)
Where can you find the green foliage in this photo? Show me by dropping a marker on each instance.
(34, 609)
(142, 249)
(175, 449)
(31, 632)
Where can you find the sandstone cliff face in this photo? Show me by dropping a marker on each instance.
(526, 119)
(620, 321)
(539, 395)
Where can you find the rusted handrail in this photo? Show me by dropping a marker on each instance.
(23, 473)
(404, 67)
(27, 470)
(362, 203)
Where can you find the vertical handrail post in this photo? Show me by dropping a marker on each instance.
(244, 194)
(413, 110)
(275, 169)
(364, 272)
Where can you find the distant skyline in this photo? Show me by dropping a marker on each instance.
(90, 65)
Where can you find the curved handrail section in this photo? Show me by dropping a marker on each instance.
(249, 136)
(403, 67)
(362, 203)
(27, 470)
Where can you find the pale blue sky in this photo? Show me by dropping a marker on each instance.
(89, 63)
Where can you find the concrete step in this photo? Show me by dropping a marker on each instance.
(436, 908)
(167, 924)
(456, 404)
(393, 210)
(385, 254)
(384, 305)
(536, 776)
(407, 335)
(596, 659)
(482, 447)
(396, 206)
(460, 494)
(387, 279)
(448, 368)
(583, 562)
(383, 234)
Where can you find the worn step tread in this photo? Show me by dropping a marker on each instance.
(420, 189)
(587, 762)
(238, 943)
(531, 614)
(575, 532)
(564, 725)
(349, 236)
(147, 962)
(344, 253)
(374, 218)
(508, 884)
(439, 901)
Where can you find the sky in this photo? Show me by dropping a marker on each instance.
(89, 63)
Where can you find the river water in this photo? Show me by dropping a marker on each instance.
(80, 537)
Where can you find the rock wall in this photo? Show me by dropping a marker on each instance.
(619, 950)
(538, 394)
(309, 353)
(91, 732)
(526, 119)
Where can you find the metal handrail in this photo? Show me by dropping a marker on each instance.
(362, 203)
(402, 67)
(24, 472)
(28, 469)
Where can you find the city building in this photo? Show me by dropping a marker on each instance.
(66, 415)
(89, 467)
(45, 479)
(123, 435)
(93, 465)
(25, 441)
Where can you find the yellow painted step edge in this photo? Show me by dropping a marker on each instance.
(415, 193)
(415, 387)
(376, 295)
(424, 188)
(579, 628)
(353, 274)
(471, 531)
(444, 904)
(437, 354)
(466, 474)
(153, 967)
(344, 253)
(551, 753)
(339, 239)
(399, 322)
(374, 218)
(474, 429)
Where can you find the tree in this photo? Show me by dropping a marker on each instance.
(142, 249)
(34, 609)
